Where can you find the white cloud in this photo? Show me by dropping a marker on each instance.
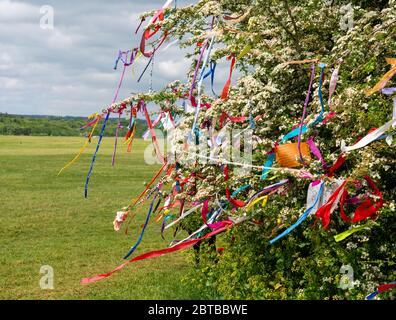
(12, 11)
(11, 83)
(173, 68)
(58, 40)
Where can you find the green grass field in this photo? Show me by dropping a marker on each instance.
(45, 220)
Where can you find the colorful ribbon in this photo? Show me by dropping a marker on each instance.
(333, 84)
(319, 118)
(147, 35)
(95, 154)
(372, 136)
(213, 226)
(315, 150)
(268, 164)
(87, 142)
(325, 211)
(307, 99)
(120, 111)
(184, 215)
(211, 73)
(302, 218)
(365, 209)
(195, 129)
(342, 236)
(154, 254)
(134, 247)
(384, 80)
(381, 288)
(157, 148)
(103, 131)
(226, 89)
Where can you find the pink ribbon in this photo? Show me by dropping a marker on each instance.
(315, 150)
(213, 226)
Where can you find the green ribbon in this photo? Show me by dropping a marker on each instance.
(342, 236)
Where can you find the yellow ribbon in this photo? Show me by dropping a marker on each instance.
(98, 116)
(265, 201)
(264, 198)
(384, 80)
(129, 140)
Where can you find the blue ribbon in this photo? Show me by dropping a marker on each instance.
(268, 164)
(197, 133)
(302, 218)
(144, 228)
(251, 122)
(178, 188)
(322, 66)
(271, 158)
(145, 69)
(96, 152)
(384, 136)
(294, 133)
(371, 296)
(237, 191)
(117, 60)
(211, 73)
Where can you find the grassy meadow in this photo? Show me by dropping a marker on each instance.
(45, 220)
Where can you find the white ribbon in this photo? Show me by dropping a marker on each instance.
(183, 216)
(327, 193)
(333, 84)
(369, 138)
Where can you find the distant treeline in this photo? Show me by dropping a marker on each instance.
(58, 126)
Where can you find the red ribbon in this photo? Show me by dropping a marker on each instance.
(153, 135)
(154, 254)
(329, 116)
(91, 123)
(226, 173)
(367, 208)
(226, 89)
(325, 211)
(340, 161)
(147, 35)
(235, 202)
(386, 287)
(224, 116)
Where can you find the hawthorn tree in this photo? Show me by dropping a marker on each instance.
(285, 43)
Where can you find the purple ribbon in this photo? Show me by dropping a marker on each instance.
(197, 69)
(305, 111)
(388, 91)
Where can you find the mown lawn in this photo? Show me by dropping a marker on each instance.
(45, 220)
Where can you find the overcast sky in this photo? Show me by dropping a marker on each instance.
(69, 70)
